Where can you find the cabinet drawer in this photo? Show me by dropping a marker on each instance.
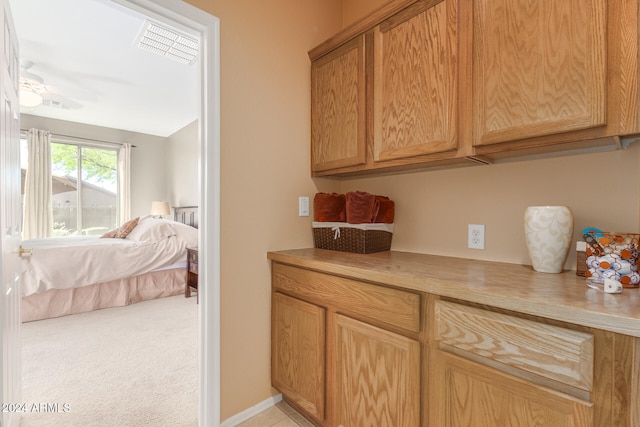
(377, 303)
(192, 256)
(552, 352)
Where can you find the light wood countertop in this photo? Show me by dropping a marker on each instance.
(514, 287)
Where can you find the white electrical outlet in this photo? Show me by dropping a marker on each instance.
(303, 206)
(476, 236)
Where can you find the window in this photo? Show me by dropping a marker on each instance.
(87, 208)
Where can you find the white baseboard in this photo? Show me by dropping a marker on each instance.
(251, 412)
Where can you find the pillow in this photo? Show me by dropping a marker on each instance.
(151, 230)
(127, 228)
(122, 231)
(110, 234)
(185, 233)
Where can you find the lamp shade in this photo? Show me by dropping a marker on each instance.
(160, 208)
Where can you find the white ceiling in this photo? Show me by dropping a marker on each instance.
(84, 50)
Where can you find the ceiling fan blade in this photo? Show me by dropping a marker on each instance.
(27, 75)
(31, 77)
(52, 92)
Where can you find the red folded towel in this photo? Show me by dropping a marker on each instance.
(362, 207)
(329, 207)
(386, 212)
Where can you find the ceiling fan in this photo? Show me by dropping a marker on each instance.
(34, 92)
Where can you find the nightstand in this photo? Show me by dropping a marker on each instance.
(192, 274)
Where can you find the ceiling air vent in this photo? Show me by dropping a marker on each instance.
(168, 42)
(52, 103)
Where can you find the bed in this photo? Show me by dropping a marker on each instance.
(136, 262)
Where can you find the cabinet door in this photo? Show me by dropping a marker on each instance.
(539, 68)
(338, 108)
(377, 376)
(473, 395)
(297, 352)
(415, 82)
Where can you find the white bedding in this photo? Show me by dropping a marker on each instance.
(69, 262)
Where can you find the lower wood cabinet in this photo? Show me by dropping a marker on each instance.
(356, 353)
(493, 369)
(354, 342)
(473, 395)
(490, 368)
(297, 352)
(377, 376)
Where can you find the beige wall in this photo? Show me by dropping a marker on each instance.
(150, 151)
(433, 209)
(183, 151)
(265, 136)
(352, 10)
(265, 108)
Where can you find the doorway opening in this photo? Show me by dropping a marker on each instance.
(207, 27)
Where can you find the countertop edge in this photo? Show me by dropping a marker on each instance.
(319, 260)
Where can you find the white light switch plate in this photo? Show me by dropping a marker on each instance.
(303, 206)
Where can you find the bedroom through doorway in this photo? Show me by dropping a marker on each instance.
(205, 27)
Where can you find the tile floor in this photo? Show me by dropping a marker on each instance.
(280, 415)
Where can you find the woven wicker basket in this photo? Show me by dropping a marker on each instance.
(351, 239)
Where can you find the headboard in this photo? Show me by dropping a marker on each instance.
(186, 215)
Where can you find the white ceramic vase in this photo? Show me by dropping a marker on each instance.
(548, 231)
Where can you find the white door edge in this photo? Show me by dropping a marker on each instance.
(10, 225)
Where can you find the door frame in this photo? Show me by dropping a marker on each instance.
(208, 27)
(10, 217)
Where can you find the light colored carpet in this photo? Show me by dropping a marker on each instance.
(124, 366)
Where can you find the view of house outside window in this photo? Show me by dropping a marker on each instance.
(95, 168)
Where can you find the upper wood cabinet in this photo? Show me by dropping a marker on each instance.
(400, 109)
(338, 108)
(551, 72)
(451, 81)
(538, 69)
(415, 82)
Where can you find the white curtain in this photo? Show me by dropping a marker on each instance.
(124, 182)
(38, 211)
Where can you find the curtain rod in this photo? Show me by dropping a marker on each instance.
(84, 139)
